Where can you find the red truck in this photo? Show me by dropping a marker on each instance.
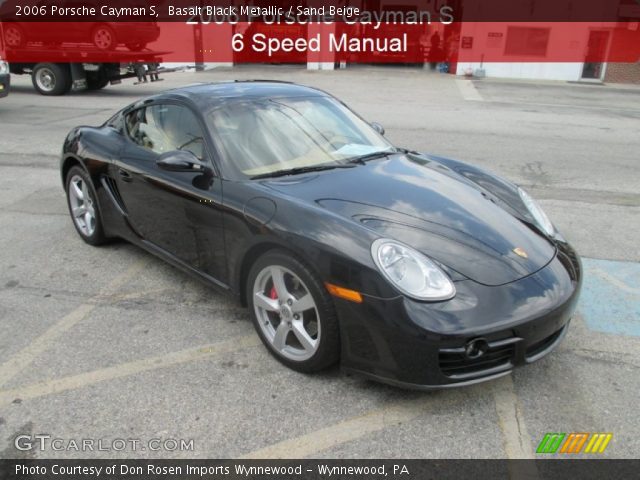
(58, 67)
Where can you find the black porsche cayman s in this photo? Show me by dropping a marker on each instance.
(411, 269)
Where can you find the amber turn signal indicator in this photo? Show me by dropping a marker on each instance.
(345, 293)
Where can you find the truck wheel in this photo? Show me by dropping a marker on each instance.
(51, 79)
(96, 81)
(97, 84)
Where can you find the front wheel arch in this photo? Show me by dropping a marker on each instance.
(326, 351)
(249, 258)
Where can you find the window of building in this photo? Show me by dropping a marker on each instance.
(529, 41)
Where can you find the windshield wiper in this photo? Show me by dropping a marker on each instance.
(298, 170)
(406, 151)
(362, 159)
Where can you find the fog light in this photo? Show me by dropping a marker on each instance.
(476, 348)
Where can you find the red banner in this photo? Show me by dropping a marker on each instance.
(361, 42)
(295, 11)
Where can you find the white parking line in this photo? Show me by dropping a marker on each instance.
(28, 354)
(516, 440)
(468, 90)
(127, 369)
(345, 431)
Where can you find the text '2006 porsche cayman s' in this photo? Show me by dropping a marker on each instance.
(411, 269)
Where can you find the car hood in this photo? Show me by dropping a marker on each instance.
(422, 203)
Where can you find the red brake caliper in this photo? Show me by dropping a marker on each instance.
(273, 294)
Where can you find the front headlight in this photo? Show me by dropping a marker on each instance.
(537, 213)
(4, 67)
(411, 272)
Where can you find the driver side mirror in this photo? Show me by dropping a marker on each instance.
(183, 161)
(378, 128)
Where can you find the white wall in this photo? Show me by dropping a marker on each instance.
(568, 71)
(566, 42)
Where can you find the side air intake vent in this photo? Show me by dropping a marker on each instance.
(110, 186)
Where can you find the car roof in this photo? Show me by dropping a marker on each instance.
(221, 92)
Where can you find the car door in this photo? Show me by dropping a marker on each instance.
(179, 213)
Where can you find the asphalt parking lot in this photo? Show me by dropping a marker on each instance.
(111, 343)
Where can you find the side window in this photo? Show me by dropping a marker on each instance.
(165, 128)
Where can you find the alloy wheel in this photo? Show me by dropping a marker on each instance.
(13, 37)
(82, 206)
(287, 313)
(103, 38)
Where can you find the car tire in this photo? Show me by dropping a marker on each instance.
(51, 79)
(14, 36)
(83, 206)
(301, 332)
(136, 47)
(104, 38)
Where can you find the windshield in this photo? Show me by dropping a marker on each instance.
(259, 137)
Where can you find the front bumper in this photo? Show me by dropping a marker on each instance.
(427, 345)
(4, 85)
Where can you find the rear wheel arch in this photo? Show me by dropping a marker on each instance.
(67, 164)
(88, 220)
(73, 161)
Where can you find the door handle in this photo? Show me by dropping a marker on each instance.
(125, 176)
